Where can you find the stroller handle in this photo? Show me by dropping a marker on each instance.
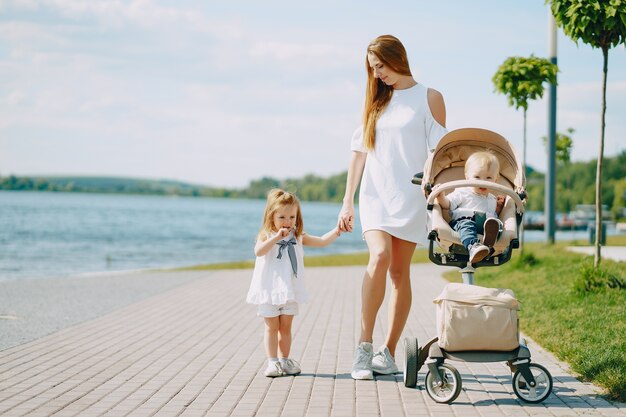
(500, 189)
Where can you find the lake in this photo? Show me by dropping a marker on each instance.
(45, 234)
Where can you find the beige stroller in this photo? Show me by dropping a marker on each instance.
(443, 172)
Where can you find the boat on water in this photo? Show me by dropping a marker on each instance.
(581, 218)
(585, 215)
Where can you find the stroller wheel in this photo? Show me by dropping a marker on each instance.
(410, 363)
(542, 388)
(450, 387)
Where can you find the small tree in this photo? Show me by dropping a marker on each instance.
(563, 144)
(619, 199)
(521, 79)
(600, 24)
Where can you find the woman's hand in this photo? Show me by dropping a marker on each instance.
(345, 220)
(500, 200)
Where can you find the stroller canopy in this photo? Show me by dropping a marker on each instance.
(454, 148)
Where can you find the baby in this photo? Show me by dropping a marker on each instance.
(474, 210)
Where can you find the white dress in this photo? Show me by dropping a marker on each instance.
(406, 133)
(273, 280)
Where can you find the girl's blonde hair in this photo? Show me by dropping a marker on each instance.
(276, 199)
(390, 51)
(483, 159)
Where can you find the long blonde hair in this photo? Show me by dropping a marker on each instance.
(390, 51)
(276, 199)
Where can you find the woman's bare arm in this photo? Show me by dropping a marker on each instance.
(355, 172)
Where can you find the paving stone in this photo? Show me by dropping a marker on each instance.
(188, 352)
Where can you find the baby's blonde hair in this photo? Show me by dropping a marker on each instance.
(276, 199)
(485, 159)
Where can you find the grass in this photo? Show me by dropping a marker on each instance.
(222, 265)
(569, 308)
(346, 259)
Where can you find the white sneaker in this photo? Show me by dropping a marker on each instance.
(290, 367)
(383, 362)
(478, 252)
(274, 369)
(362, 364)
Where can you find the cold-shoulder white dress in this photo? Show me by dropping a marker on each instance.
(406, 133)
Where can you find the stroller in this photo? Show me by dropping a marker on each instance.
(443, 172)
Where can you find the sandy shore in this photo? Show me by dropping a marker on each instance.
(30, 309)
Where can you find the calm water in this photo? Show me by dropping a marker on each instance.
(60, 234)
(46, 234)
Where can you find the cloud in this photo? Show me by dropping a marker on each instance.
(311, 55)
(117, 14)
(590, 93)
(219, 93)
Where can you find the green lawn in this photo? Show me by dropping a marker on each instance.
(568, 309)
(359, 258)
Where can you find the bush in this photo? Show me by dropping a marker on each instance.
(527, 259)
(592, 279)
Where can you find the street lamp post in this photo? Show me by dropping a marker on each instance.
(549, 223)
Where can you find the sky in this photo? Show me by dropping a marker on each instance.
(220, 93)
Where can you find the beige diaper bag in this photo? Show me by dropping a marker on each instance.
(470, 317)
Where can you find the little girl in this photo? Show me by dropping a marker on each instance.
(278, 280)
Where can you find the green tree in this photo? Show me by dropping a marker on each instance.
(600, 24)
(260, 188)
(521, 79)
(619, 199)
(564, 144)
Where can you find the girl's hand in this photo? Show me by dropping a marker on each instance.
(282, 232)
(345, 220)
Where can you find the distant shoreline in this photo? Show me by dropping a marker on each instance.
(309, 188)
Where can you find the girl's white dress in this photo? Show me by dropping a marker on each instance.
(273, 280)
(406, 133)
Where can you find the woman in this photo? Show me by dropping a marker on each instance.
(402, 123)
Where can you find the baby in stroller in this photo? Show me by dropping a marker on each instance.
(475, 210)
(474, 324)
(447, 170)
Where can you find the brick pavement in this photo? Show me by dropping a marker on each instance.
(196, 350)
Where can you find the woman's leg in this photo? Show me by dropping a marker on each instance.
(373, 289)
(284, 335)
(400, 299)
(270, 338)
